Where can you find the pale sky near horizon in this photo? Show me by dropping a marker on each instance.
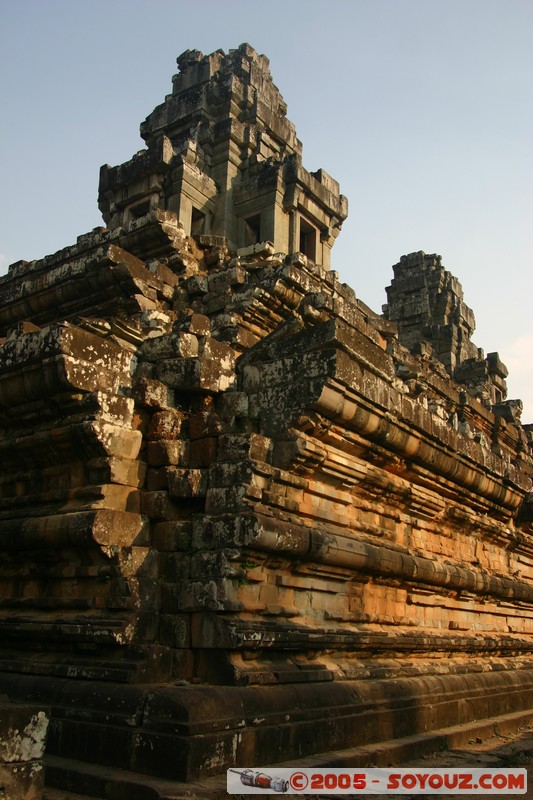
(421, 109)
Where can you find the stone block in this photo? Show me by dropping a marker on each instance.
(188, 483)
(23, 732)
(175, 630)
(125, 471)
(150, 393)
(233, 404)
(164, 452)
(204, 424)
(203, 452)
(170, 345)
(222, 499)
(157, 505)
(176, 567)
(197, 285)
(234, 447)
(199, 325)
(172, 536)
(214, 303)
(157, 479)
(197, 375)
(165, 424)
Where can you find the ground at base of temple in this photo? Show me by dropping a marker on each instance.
(500, 751)
(500, 742)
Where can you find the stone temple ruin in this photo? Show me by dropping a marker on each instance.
(245, 519)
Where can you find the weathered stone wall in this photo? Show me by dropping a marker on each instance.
(242, 477)
(243, 516)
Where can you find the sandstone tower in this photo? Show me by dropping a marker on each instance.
(222, 155)
(244, 518)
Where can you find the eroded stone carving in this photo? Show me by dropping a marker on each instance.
(245, 518)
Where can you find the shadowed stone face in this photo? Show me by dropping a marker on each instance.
(243, 517)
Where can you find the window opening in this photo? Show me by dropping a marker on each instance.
(140, 210)
(252, 230)
(197, 222)
(307, 239)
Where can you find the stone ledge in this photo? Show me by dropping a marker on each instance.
(115, 784)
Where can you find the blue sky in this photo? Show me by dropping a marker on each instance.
(423, 110)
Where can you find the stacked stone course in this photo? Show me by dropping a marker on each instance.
(243, 517)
